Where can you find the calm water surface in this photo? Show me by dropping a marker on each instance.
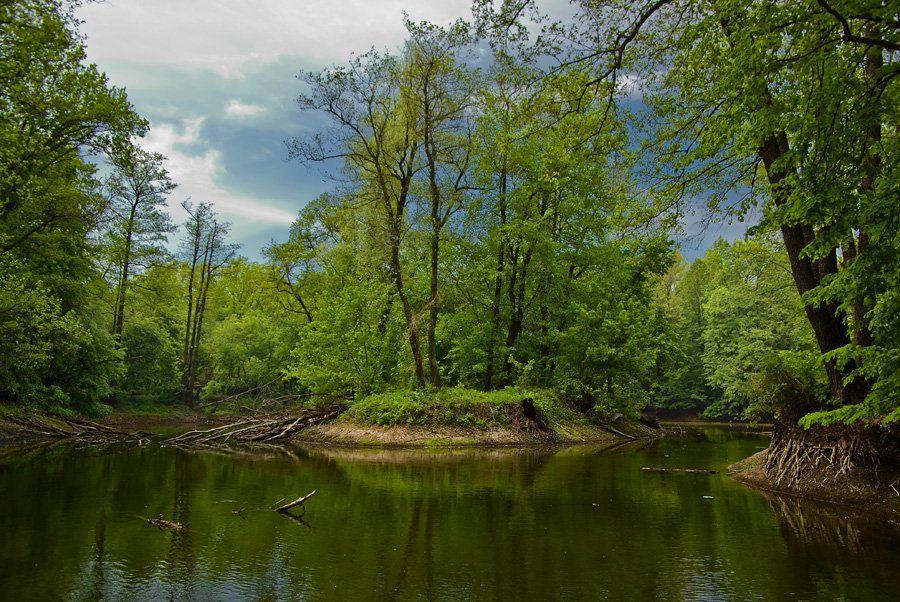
(580, 523)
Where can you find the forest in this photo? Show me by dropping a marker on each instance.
(508, 196)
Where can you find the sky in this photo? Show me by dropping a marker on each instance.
(217, 81)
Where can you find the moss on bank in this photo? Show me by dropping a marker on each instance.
(457, 408)
(458, 417)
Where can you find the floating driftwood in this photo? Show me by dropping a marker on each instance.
(298, 502)
(259, 429)
(695, 470)
(162, 523)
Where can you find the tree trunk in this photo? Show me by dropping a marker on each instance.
(498, 286)
(397, 276)
(830, 331)
(436, 225)
(187, 394)
(121, 290)
(517, 312)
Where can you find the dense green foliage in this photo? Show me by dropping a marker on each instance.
(738, 318)
(501, 228)
(57, 347)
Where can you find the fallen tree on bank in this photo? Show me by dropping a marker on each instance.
(77, 429)
(260, 429)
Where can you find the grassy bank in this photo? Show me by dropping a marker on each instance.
(456, 416)
(450, 416)
(457, 407)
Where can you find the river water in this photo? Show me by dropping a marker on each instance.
(581, 523)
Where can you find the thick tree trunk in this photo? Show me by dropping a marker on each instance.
(517, 311)
(830, 331)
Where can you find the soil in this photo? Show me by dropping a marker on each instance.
(863, 488)
(350, 434)
(347, 434)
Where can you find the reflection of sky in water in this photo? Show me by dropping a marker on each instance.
(705, 579)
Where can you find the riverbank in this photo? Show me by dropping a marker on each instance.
(451, 417)
(856, 467)
(349, 434)
(463, 417)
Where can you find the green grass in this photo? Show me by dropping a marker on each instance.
(454, 407)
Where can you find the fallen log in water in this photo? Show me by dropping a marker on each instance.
(616, 431)
(162, 523)
(694, 470)
(298, 502)
(259, 429)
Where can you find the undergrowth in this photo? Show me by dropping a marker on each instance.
(455, 407)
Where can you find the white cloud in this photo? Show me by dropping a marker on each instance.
(166, 53)
(227, 37)
(196, 175)
(630, 84)
(237, 108)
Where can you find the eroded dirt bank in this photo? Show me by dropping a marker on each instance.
(364, 435)
(857, 466)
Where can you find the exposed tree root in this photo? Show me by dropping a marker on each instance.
(529, 420)
(858, 458)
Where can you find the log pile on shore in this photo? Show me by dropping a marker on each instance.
(259, 429)
(83, 431)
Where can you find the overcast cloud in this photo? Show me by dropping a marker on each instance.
(216, 80)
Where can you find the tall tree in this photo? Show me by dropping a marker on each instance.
(442, 95)
(206, 252)
(795, 95)
(375, 131)
(55, 107)
(138, 224)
